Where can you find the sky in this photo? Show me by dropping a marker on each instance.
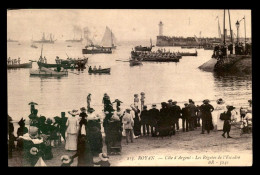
(126, 24)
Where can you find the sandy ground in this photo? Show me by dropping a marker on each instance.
(183, 149)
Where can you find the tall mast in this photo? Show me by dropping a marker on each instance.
(219, 30)
(111, 38)
(231, 33)
(224, 40)
(245, 28)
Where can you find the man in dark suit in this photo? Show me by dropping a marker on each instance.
(153, 118)
(176, 113)
(185, 116)
(193, 110)
(144, 117)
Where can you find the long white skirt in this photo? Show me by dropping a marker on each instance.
(218, 124)
(71, 142)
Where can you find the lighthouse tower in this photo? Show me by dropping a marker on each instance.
(160, 28)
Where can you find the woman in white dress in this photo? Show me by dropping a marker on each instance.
(72, 131)
(220, 108)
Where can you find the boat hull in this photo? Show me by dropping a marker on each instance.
(102, 71)
(24, 65)
(47, 72)
(188, 54)
(86, 51)
(66, 64)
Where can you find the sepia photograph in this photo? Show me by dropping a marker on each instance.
(129, 87)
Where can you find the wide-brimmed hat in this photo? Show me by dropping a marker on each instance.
(153, 105)
(73, 112)
(32, 103)
(103, 157)
(65, 159)
(230, 107)
(220, 101)
(83, 109)
(170, 100)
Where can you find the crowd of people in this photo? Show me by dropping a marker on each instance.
(82, 131)
(221, 51)
(13, 61)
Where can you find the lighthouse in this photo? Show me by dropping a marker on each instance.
(160, 28)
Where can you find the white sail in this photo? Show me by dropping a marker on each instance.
(108, 39)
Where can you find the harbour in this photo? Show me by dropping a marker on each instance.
(100, 93)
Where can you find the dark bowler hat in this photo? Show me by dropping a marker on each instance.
(170, 100)
(154, 105)
(186, 104)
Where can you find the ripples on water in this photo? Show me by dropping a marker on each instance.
(160, 81)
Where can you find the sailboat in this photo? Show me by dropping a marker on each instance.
(108, 40)
(106, 45)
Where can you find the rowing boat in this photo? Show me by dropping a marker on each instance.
(24, 65)
(47, 72)
(99, 71)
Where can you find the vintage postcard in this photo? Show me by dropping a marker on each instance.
(129, 87)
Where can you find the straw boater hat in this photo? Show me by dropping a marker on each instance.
(65, 159)
(103, 157)
(83, 109)
(73, 112)
(220, 101)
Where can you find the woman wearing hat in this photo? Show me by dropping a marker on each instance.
(115, 135)
(227, 122)
(220, 108)
(94, 132)
(137, 123)
(72, 131)
(206, 110)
